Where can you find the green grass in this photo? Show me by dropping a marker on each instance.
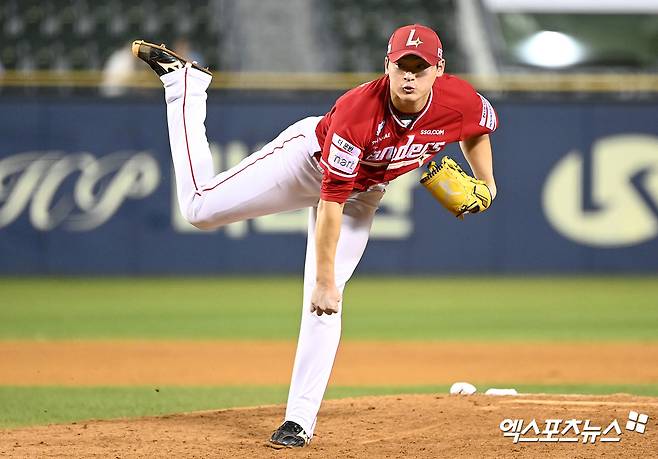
(387, 308)
(395, 308)
(22, 406)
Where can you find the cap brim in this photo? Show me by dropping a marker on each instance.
(397, 55)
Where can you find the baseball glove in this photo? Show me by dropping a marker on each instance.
(455, 189)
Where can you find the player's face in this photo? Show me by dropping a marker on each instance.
(411, 79)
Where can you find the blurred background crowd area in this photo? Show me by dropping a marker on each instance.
(59, 39)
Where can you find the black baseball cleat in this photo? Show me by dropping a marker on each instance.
(289, 435)
(161, 59)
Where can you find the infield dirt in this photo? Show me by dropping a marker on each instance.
(111, 363)
(410, 426)
(406, 426)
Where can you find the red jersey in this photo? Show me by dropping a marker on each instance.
(365, 143)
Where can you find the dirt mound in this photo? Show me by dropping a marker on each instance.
(369, 427)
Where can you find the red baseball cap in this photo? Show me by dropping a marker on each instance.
(415, 39)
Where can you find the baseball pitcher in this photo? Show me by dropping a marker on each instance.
(338, 166)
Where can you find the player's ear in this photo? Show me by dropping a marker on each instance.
(386, 65)
(440, 67)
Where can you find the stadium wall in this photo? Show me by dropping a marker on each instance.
(86, 187)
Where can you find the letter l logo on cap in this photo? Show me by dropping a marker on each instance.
(415, 42)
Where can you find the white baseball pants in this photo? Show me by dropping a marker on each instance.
(282, 176)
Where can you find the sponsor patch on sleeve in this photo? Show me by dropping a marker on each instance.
(488, 118)
(344, 145)
(338, 160)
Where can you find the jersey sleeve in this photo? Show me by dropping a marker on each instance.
(479, 116)
(341, 155)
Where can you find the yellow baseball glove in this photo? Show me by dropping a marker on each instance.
(455, 189)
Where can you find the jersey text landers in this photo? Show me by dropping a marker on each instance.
(364, 141)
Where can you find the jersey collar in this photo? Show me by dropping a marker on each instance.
(420, 115)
